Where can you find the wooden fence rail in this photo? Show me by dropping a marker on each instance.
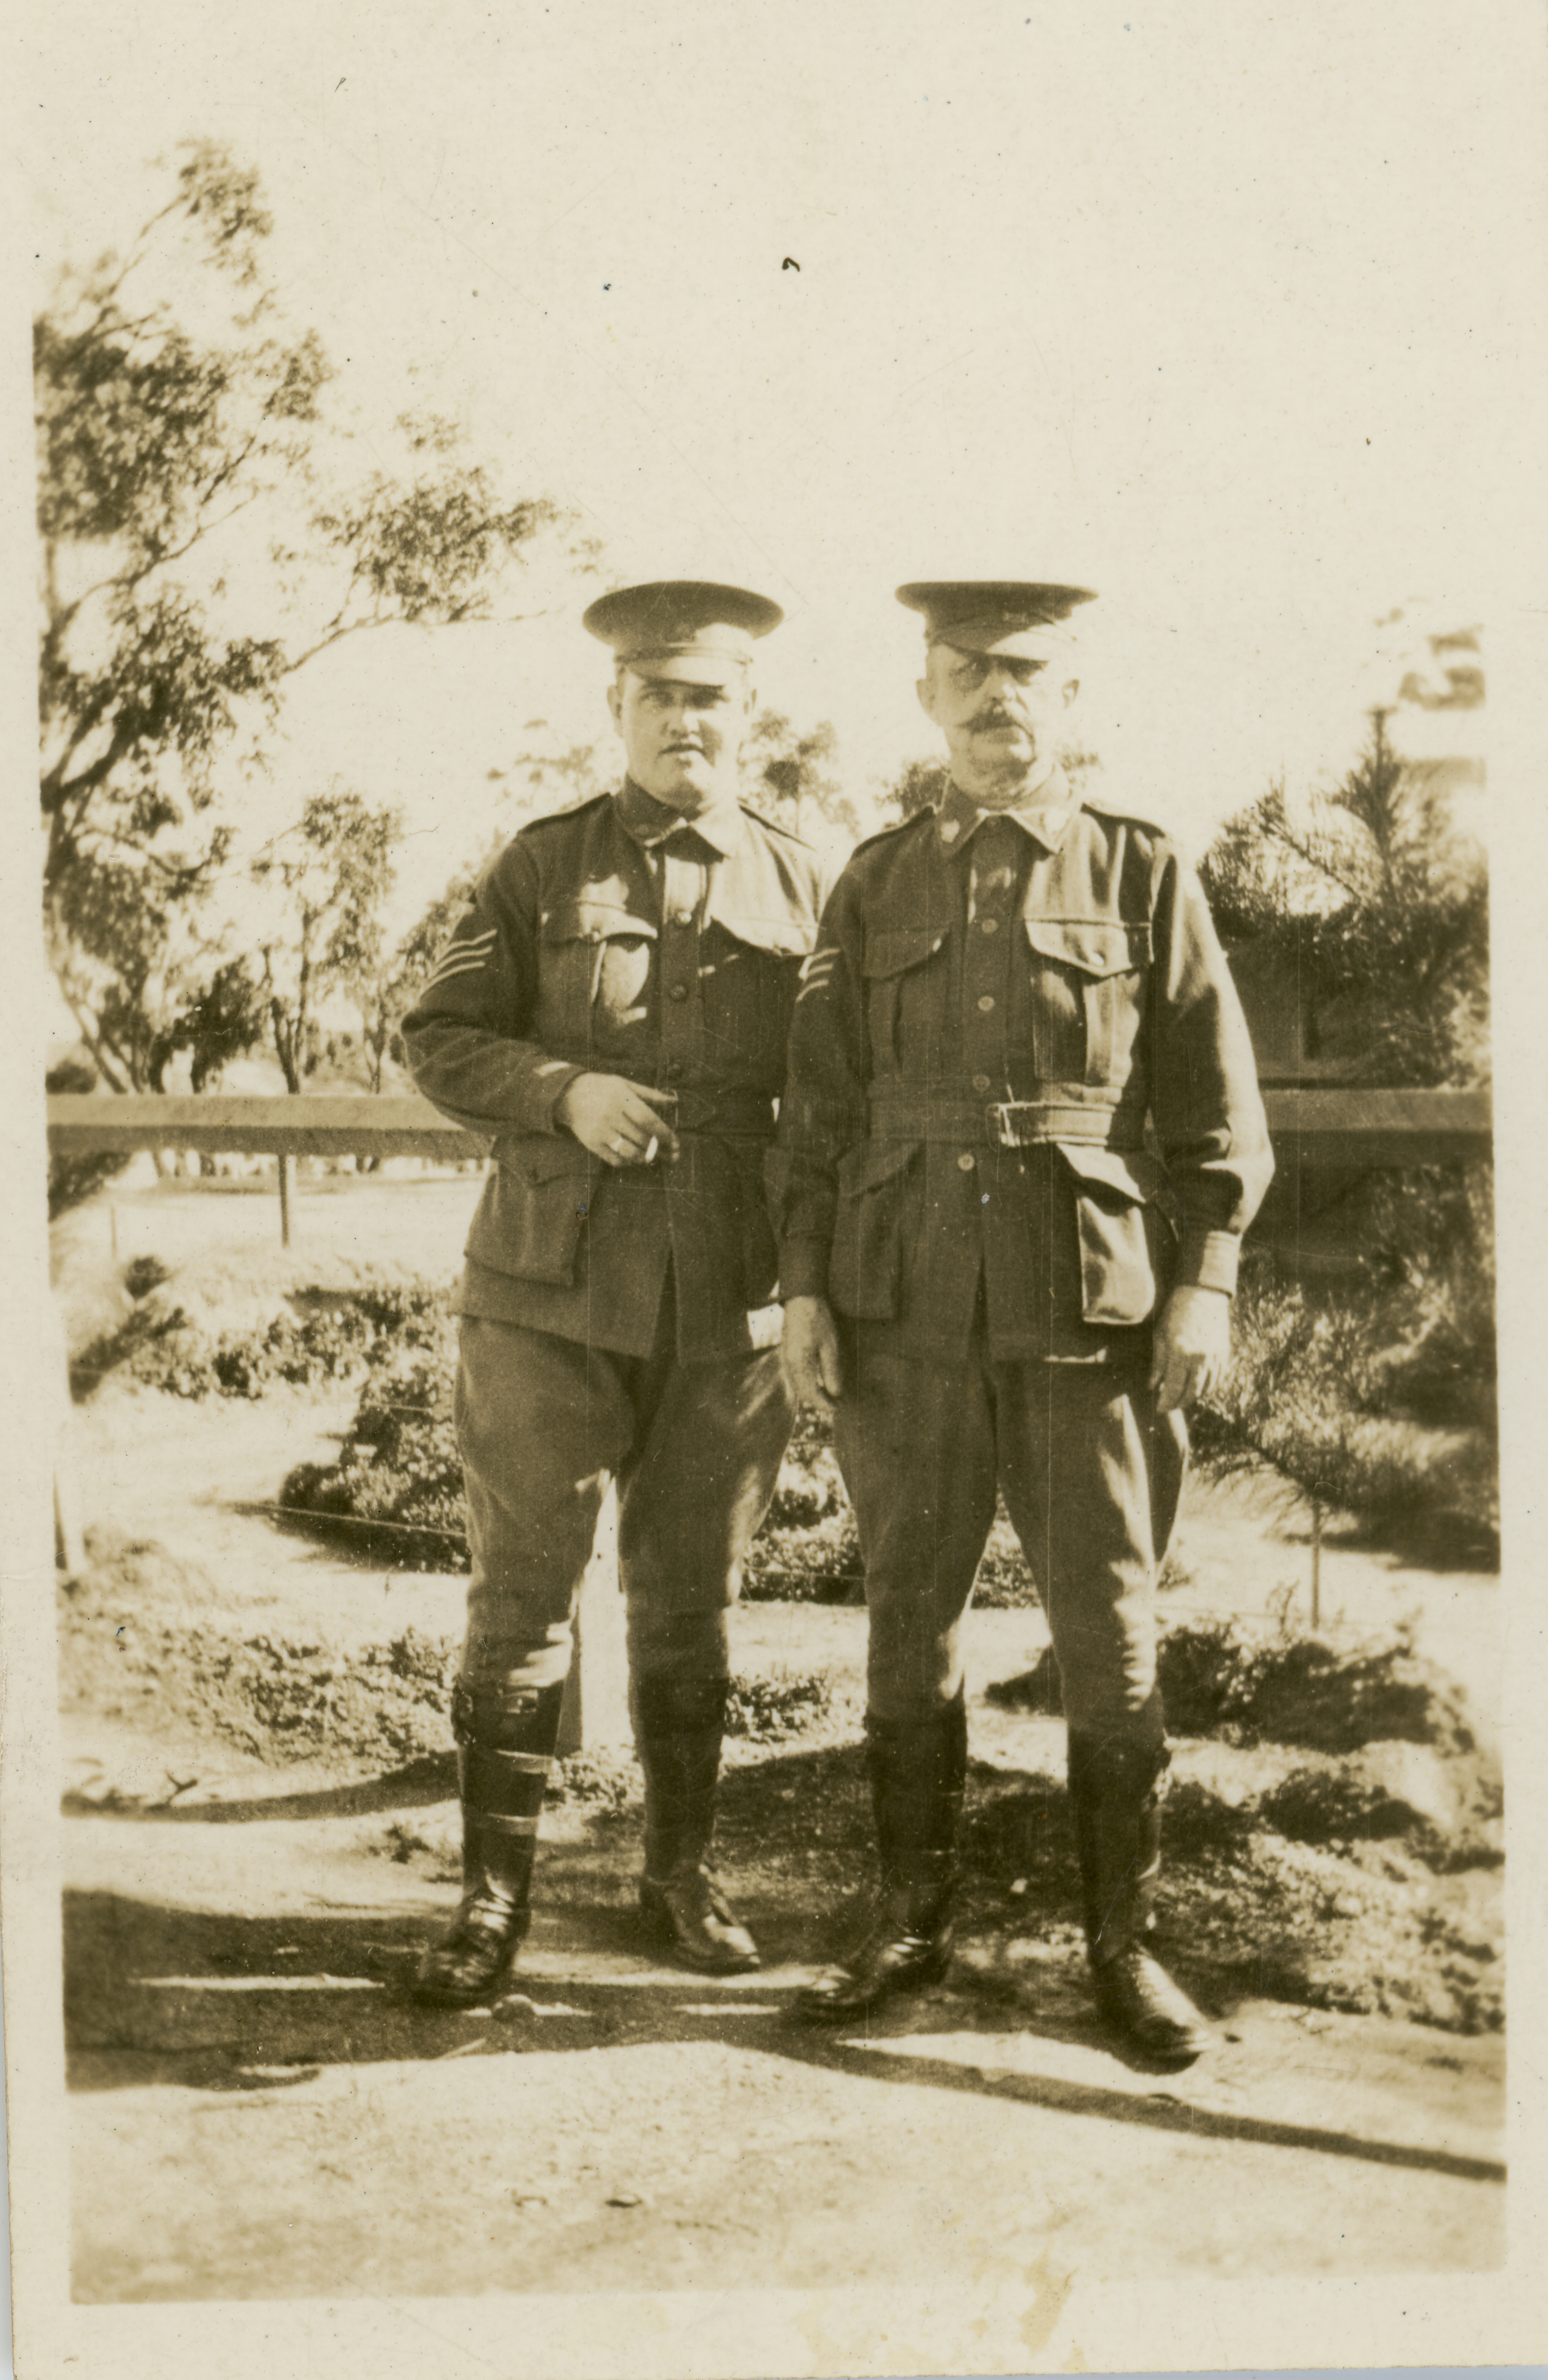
(1353, 1128)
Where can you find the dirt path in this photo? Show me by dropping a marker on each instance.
(260, 2112)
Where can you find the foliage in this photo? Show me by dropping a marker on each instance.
(71, 1180)
(795, 777)
(1384, 904)
(1220, 1679)
(178, 1344)
(554, 780)
(336, 872)
(154, 441)
(398, 1467)
(385, 996)
(921, 784)
(1378, 1396)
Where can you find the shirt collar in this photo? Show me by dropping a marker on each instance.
(1045, 816)
(650, 821)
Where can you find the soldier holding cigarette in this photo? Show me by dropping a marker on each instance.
(612, 1012)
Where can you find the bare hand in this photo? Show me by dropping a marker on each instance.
(614, 1118)
(808, 1351)
(1192, 1345)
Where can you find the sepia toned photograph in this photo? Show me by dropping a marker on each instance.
(755, 1296)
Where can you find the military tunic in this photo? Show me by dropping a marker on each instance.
(605, 1311)
(1021, 1107)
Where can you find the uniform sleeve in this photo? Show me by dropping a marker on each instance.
(465, 1037)
(823, 1109)
(1204, 1099)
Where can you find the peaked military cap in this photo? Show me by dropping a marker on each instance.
(685, 629)
(1000, 615)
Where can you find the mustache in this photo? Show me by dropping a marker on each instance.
(997, 716)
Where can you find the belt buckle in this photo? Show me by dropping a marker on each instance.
(1002, 1116)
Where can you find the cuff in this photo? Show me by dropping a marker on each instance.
(545, 1089)
(1209, 1261)
(803, 1268)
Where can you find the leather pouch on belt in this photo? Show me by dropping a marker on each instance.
(1126, 1231)
(534, 1210)
(865, 1269)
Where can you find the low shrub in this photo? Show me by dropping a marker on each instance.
(1218, 1679)
(179, 1342)
(1377, 1395)
(767, 1709)
(395, 1484)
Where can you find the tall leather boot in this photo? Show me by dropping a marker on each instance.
(919, 1772)
(1116, 1791)
(503, 1759)
(679, 1725)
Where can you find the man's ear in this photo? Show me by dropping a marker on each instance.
(1072, 688)
(615, 704)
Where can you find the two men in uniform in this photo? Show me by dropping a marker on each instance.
(991, 1275)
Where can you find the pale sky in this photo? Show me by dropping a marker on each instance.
(1215, 310)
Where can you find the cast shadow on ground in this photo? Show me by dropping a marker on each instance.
(418, 1784)
(219, 2002)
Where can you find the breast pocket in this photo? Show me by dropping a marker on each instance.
(1090, 981)
(1125, 1216)
(595, 961)
(902, 995)
(750, 971)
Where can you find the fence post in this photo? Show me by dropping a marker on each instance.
(285, 1162)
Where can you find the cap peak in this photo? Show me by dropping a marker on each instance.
(980, 614)
(680, 622)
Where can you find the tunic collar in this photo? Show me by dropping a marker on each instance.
(650, 821)
(1045, 817)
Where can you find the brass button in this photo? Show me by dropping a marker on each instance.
(981, 1082)
(964, 1163)
(678, 992)
(989, 925)
(986, 1001)
(682, 917)
(674, 1070)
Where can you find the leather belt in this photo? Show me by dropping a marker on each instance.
(736, 1116)
(1005, 1123)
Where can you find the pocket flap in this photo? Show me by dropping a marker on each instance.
(1133, 1172)
(1095, 945)
(593, 921)
(541, 1156)
(782, 938)
(871, 1162)
(893, 949)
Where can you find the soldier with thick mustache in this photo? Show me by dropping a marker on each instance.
(998, 1276)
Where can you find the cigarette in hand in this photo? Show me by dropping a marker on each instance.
(650, 1152)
